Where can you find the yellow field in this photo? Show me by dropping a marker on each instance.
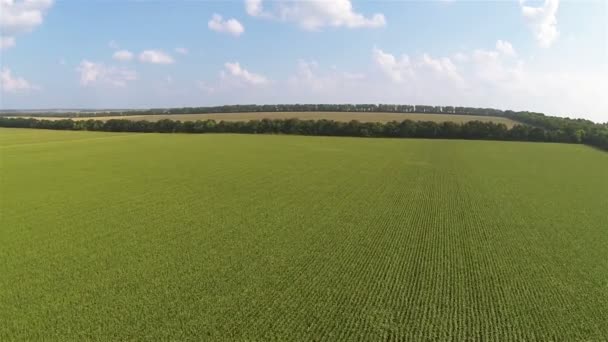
(336, 116)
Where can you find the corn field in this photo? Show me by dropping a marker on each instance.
(114, 236)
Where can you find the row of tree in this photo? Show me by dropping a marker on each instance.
(252, 108)
(403, 129)
(577, 130)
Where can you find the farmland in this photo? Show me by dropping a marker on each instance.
(336, 116)
(117, 236)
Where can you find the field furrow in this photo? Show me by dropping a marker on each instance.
(287, 238)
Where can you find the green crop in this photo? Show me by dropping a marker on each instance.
(110, 236)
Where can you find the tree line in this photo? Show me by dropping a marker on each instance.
(394, 129)
(252, 108)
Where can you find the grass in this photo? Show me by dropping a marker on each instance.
(336, 116)
(237, 237)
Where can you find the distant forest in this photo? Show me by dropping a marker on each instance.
(534, 127)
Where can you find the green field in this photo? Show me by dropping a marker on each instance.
(336, 116)
(115, 237)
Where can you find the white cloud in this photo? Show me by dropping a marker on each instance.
(234, 76)
(208, 89)
(543, 21)
(485, 65)
(486, 78)
(306, 75)
(123, 55)
(230, 26)
(418, 73)
(7, 42)
(460, 57)
(441, 67)
(13, 84)
(98, 73)
(505, 48)
(19, 17)
(181, 50)
(310, 79)
(314, 15)
(155, 57)
(396, 70)
(489, 66)
(254, 8)
(112, 44)
(235, 71)
(305, 70)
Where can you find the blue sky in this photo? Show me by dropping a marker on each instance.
(549, 56)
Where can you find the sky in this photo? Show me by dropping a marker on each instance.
(549, 56)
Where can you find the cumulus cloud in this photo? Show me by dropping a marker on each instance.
(314, 15)
(309, 77)
(13, 84)
(441, 67)
(233, 76)
(155, 57)
(19, 17)
(205, 87)
(123, 55)
(485, 65)
(235, 71)
(254, 8)
(505, 48)
(112, 44)
(460, 57)
(397, 70)
(494, 66)
(7, 42)
(305, 73)
(419, 76)
(543, 21)
(483, 77)
(181, 50)
(230, 26)
(493, 77)
(98, 73)
(490, 66)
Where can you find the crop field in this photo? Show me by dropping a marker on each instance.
(115, 236)
(336, 116)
